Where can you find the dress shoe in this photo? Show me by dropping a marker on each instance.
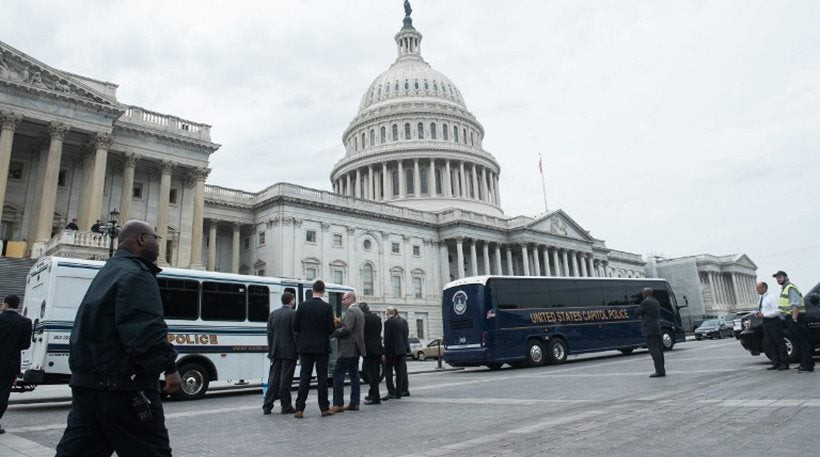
(288, 411)
(266, 411)
(783, 368)
(2, 430)
(372, 402)
(337, 409)
(386, 397)
(657, 375)
(773, 367)
(805, 370)
(299, 414)
(327, 412)
(351, 408)
(405, 394)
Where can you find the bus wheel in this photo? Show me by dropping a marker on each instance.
(626, 351)
(194, 382)
(668, 340)
(557, 351)
(535, 353)
(494, 366)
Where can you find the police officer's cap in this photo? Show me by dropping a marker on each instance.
(780, 273)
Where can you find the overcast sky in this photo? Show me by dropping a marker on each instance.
(667, 128)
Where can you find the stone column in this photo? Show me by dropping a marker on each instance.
(164, 200)
(497, 191)
(485, 192)
(525, 261)
(444, 261)
(498, 269)
(416, 179)
(510, 269)
(460, 257)
(431, 180)
(127, 186)
(402, 187)
(235, 248)
(486, 252)
(386, 196)
(463, 182)
(48, 194)
(591, 266)
(536, 260)
(547, 271)
(564, 263)
(348, 191)
(476, 194)
(8, 123)
(447, 186)
(584, 273)
(556, 262)
(713, 292)
(211, 245)
(574, 256)
(473, 258)
(369, 193)
(199, 176)
(358, 185)
(99, 144)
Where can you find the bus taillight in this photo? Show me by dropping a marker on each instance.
(483, 338)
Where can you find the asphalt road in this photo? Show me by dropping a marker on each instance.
(716, 400)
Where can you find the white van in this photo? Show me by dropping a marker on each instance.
(216, 321)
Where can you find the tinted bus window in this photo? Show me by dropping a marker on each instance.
(564, 293)
(223, 301)
(663, 298)
(614, 294)
(506, 293)
(180, 298)
(335, 300)
(533, 294)
(590, 293)
(258, 303)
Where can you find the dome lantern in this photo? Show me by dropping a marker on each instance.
(408, 39)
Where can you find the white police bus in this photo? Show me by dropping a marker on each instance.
(530, 321)
(217, 322)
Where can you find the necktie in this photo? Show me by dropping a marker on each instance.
(760, 305)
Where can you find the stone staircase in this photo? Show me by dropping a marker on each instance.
(13, 275)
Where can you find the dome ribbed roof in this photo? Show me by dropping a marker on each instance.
(408, 79)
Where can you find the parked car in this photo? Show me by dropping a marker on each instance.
(415, 345)
(737, 322)
(431, 351)
(752, 338)
(713, 328)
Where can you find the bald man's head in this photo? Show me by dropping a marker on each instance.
(140, 239)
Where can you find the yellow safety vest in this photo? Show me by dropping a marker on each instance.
(785, 305)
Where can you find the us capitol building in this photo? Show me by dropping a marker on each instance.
(415, 201)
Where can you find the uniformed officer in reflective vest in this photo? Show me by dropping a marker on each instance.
(794, 310)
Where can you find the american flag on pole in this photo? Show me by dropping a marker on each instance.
(540, 167)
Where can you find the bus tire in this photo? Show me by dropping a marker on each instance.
(668, 340)
(494, 366)
(556, 351)
(535, 353)
(194, 382)
(626, 351)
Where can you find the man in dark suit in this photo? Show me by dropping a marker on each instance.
(374, 348)
(395, 351)
(350, 339)
(649, 311)
(282, 353)
(313, 326)
(15, 336)
(405, 336)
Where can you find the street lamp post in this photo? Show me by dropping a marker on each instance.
(111, 230)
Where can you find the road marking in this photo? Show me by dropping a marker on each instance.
(13, 446)
(760, 402)
(490, 401)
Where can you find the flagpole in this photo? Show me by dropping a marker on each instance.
(543, 184)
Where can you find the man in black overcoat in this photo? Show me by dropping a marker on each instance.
(313, 326)
(282, 354)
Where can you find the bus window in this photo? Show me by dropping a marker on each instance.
(335, 300)
(223, 301)
(533, 294)
(180, 298)
(563, 293)
(590, 293)
(506, 293)
(614, 294)
(663, 298)
(258, 303)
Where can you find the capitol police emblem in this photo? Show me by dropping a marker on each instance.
(460, 302)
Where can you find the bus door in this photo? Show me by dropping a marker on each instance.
(464, 314)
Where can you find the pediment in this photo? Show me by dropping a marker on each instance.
(559, 223)
(746, 261)
(259, 264)
(19, 69)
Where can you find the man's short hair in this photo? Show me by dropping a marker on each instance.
(765, 286)
(287, 297)
(391, 310)
(364, 307)
(319, 286)
(12, 300)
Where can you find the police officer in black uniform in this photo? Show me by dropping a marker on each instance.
(119, 347)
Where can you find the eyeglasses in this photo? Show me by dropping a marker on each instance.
(156, 237)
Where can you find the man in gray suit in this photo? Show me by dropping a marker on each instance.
(350, 339)
(650, 312)
(282, 353)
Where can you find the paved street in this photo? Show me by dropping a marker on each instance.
(717, 399)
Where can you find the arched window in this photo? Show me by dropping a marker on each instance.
(445, 132)
(394, 177)
(406, 130)
(383, 135)
(438, 181)
(410, 187)
(421, 130)
(395, 132)
(470, 186)
(372, 137)
(423, 187)
(364, 143)
(355, 143)
(380, 90)
(367, 279)
(435, 86)
(464, 135)
(387, 88)
(426, 86)
(455, 133)
(397, 85)
(433, 133)
(416, 84)
(406, 85)
(472, 143)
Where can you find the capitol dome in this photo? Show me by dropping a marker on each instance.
(413, 142)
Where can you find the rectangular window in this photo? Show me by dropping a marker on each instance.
(417, 286)
(223, 301)
(258, 303)
(16, 171)
(172, 197)
(180, 298)
(396, 283)
(310, 236)
(61, 178)
(338, 276)
(310, 273)
(367, 280)
(261, 238)
(137, 191)
(395, 248)
(420, 328)
(337, 240)
(416, 250)
(260, 272)
(246, 242)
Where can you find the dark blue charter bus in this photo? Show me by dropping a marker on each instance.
(532, 321)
